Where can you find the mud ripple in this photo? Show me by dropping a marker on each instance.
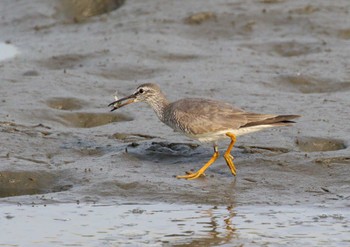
(63, 103)
(344, 34)
(89, 120)
(128, 73)
(308, 9)
(287, 48)
(127, 186)
(166, 151)
(318, 144)
(308, 84)
(260, 149)
(172, 148)
(31, 73)
(132, 137)
(82, 9)
(174, 57)
(67, 61)
(333, 160)
(199, 18)
(15, 183)
(83, 147)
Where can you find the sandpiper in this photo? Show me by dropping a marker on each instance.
(204, 120)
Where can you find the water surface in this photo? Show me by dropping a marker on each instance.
(7, 51)
(172, 225)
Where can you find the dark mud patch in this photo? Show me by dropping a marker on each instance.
(32, 131)
(166, 56)
(122, 188)
(207, 25)
(65, 103)
(80, 119)
(172, 148)
(287, 48)
(199, 18)
(71, 60)
(67, 61)
(318, 144)
(344, 34)
(31, 73)
(90, 120)
(270, 1)
(128, 73)
(162, 151)
(15, 183)
(308, 84)
(127, 186)
(333, 160)
(131, 137)
(84, 147)
(308, 9)
(238, 24)
(175, 57)
(260, 149)
(80, 10)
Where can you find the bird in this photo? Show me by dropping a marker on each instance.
(204, 120)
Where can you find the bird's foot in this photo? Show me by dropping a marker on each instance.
(192, 175)
(228, 156)
(201, 171)
(229, 161)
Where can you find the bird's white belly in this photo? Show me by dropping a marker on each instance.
(216, 136)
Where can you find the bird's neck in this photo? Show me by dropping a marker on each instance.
(159, 104)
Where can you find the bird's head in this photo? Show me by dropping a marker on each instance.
(147, 92)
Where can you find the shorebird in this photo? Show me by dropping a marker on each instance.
(204, 120)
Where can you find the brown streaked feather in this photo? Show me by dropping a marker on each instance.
(198, 116)
(255, 119)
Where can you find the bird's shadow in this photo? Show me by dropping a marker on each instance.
(168, 152)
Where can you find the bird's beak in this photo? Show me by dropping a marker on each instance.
(122, 102)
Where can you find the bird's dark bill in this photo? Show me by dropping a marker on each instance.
(122, 102)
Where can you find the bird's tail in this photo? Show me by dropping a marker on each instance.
(273, 120)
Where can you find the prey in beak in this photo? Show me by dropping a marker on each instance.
(122, 102)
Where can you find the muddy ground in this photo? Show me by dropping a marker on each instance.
(60, 143)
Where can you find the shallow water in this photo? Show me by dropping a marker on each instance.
(7, 51)
(132, 224)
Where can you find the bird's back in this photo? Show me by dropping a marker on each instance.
(197, 116)
(204, 117)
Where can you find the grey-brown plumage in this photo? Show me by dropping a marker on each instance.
(200, 116)
(203, 119)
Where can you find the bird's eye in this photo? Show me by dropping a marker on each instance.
(141, 90)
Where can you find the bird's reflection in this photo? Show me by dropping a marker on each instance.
(219, 229)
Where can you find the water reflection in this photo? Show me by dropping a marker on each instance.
(219, 228)
(172, 225)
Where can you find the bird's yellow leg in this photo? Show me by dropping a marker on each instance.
(205, 167)
(227, 155)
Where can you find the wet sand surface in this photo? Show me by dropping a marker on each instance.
(89, 177)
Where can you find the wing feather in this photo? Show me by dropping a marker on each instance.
(198, 116)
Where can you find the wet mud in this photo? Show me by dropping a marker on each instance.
(24, 183)
(317, 144)
(62, 103)
(62, 150)
(83, 9)
(308, 85)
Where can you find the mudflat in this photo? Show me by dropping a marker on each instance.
(61, 145)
